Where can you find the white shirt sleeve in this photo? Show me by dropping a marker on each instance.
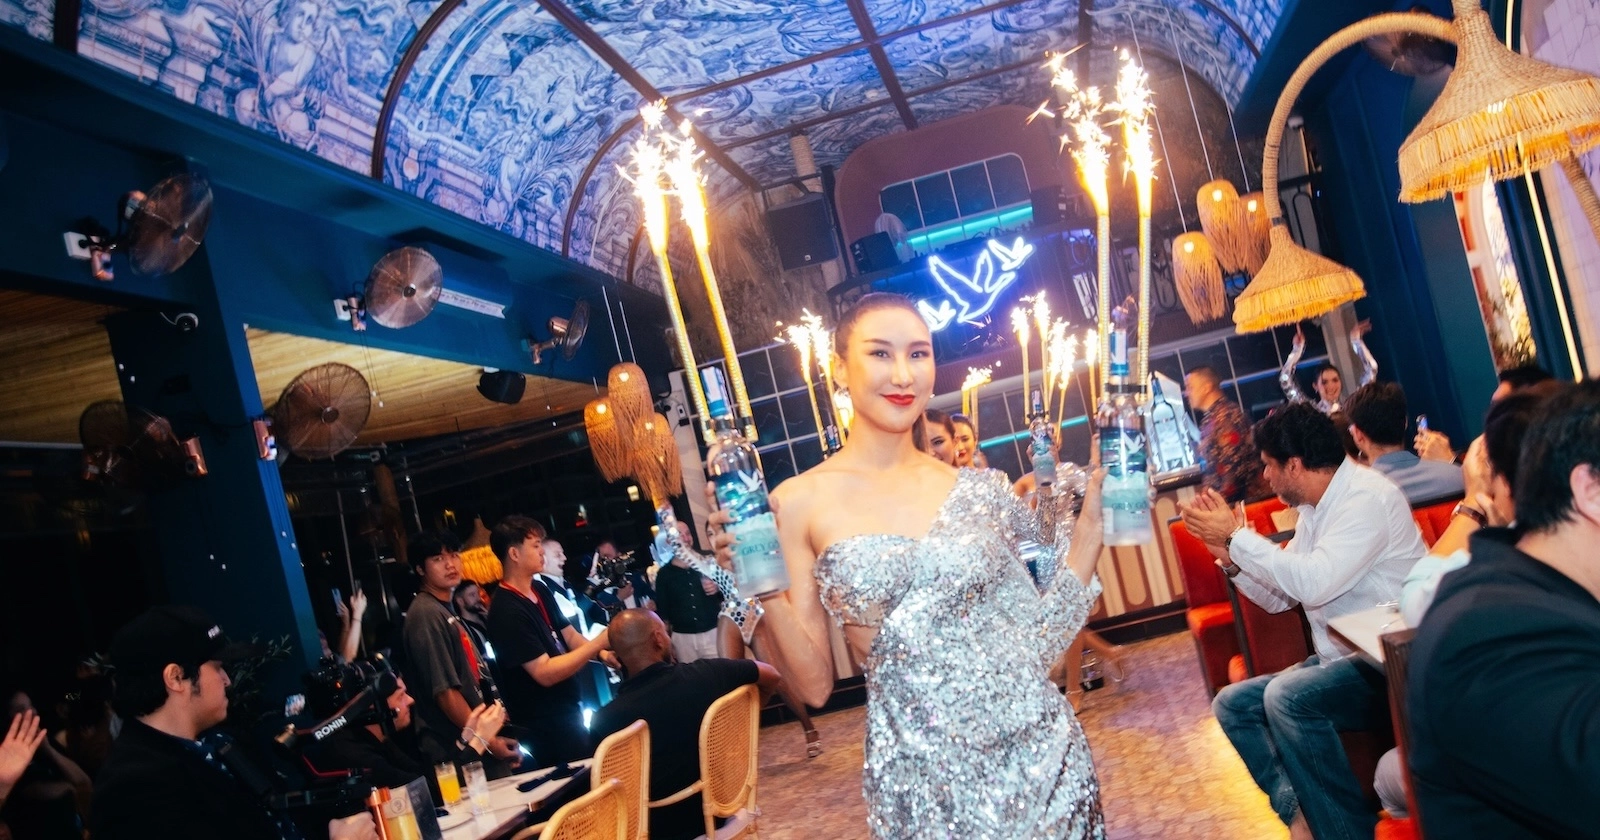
(1422, 584)
(1344, 551)
(1250, 582)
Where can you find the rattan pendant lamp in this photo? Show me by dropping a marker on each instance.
(1295, 284)
(1501, 115)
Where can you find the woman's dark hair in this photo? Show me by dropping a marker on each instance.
(513, 530)
(1299, 430)
(1564, 435)
(1522, 376)
(1506, 425)
(1323, 368)
(963, 420)
(939, 418)
(868, 303)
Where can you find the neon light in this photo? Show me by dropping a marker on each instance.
(973, 294)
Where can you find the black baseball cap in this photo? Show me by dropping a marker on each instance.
(171, 635)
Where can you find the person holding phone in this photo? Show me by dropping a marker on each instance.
(349, 626)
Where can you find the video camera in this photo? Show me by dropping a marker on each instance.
(613, 573)
(352, 694)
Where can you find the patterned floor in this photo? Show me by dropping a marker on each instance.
(1166, 771)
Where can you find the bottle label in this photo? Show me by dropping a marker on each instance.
(742, 494)
(1044, 462)
(1125, 496)
(1117, 352)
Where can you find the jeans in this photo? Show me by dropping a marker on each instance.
(1286, 728)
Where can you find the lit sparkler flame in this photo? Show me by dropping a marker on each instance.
(1091, 145)
(1135, 106)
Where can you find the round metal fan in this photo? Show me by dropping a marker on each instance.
(103, 429)
(566, 333)
(403, 287)
(1410, 54)
(322, 410)
(167, 225)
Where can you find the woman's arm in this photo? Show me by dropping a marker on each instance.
(795, 626)
(1286, 377)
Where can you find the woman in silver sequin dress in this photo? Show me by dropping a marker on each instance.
(966, 737)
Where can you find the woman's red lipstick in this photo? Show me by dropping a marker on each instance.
(901, 400)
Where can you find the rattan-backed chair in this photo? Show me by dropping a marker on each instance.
(596, 815)
(728, 763)
(625, 756)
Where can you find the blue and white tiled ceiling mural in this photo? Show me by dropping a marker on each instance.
(509, 118)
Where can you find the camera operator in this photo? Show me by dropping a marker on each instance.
(366, 746)
(160, 779)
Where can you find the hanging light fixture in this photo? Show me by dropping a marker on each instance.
(1222, 218)
(606, 440)
(1500, 115)
(1258, 232)
(1195, 269)
(629, 393)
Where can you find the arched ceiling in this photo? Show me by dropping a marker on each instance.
(517, 114)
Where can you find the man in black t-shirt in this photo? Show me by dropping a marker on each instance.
(672, 699)
(537, 650)
(440, 660)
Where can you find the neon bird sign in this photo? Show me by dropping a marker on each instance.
(972, 295)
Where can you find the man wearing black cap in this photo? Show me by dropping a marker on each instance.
(440, 662)
(160, 780)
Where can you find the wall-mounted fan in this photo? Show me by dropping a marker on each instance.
(131, 448)
(890, 223)
(321, 411)
(160, 230)
(1409, 53)
(566, 333)
(403, 287)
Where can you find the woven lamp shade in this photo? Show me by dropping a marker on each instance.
(1293, 285)
(606, 439)
(1500, 115)
(656, 463)
(629, 393)
(479, 565)
(1222, 218)
(1198, 278)
(1258, 241)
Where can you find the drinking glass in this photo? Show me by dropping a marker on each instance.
(449, 783)
(477, 787)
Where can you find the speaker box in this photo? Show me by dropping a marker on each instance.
(803, 232)
(874, 252)
(502, 386)
(1047, 206)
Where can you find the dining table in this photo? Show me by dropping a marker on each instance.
(511, 809)
(1363, 628)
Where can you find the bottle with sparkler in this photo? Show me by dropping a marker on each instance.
(1041, 444)
(1126, 493)
(741, 490)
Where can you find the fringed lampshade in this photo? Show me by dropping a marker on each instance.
(1258, 242)
(1292, 286)
(606, 439)
(1198, 278)
(1295, 284)
(656, 463)
(1222, 218)
(1500, 115)
(629, 393)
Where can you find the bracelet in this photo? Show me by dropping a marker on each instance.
(1472, 513)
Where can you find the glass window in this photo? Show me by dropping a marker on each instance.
(1075, 443)
(1009, 180)
(1259, 393)
(786, 374)
(769, 421)
(797, 417)
(1253, 352)
(807, 453)
(901, 200)
(777, 465)
(758, 371)
(972, 189)
(936, 198)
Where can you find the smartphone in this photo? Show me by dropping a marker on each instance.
(1422, 422)
(338, 598)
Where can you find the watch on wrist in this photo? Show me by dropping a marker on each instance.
(1232, 570)
(1472, 513)
(1228, 543)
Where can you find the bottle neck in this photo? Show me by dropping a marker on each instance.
(722, 424)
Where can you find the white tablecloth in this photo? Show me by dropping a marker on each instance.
(1362, 629)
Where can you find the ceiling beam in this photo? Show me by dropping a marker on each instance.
(607, 53)
(867, 106)
(880, 60)
(402, 71)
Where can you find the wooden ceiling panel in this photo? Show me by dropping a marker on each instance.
(55, 359)
(419, 397)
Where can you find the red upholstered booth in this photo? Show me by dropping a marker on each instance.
(1210, 613)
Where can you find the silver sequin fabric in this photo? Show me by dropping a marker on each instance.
(966, 736)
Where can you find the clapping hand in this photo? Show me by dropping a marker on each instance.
(1209, 518)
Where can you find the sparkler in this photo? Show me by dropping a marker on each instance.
(1082, 109)
(1134, 104)
(683, 170)
(648, 175)
(1041, 322)
(822, 347)
(976, 378)
(1019, 325)
(801, 336)
(1063, 356)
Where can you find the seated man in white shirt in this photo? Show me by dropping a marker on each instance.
(1354, 542)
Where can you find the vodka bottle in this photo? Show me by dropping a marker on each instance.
(742, 491)
(1041, 444)
(1125, 496)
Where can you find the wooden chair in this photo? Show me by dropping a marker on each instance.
(596, 815)
(728, 763)
(625, 757)
(1397, 666)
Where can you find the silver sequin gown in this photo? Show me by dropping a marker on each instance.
(966, 736)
